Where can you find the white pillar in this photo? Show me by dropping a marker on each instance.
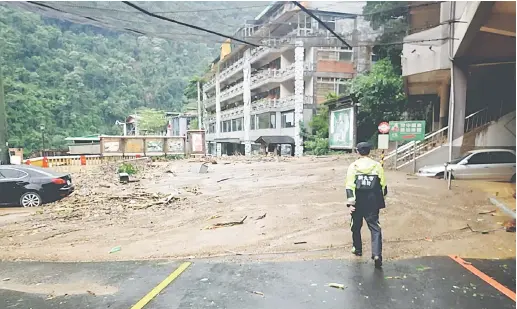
(247, 101)
(205, 118)
(217, 110)
(298, 96)
(199, 115)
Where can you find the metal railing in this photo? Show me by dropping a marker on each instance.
(407, 151)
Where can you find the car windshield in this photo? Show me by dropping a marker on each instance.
(458, 160)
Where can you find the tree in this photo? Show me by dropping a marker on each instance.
(78, 80)
(392, 18)
(317, 140)
(381, 96)
(151, 120)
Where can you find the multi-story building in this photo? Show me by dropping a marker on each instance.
(269, 92)
(458, 60)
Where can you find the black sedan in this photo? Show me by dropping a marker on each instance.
(31, 186)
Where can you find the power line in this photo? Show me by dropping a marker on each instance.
(186, 25)
(163, 12)
(321, 23)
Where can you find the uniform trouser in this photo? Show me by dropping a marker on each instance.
(372, 219)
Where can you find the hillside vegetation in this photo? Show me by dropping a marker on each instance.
(78, 80)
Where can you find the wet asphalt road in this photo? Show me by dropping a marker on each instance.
(437, 282)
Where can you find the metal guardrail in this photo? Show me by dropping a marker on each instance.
(404, 154)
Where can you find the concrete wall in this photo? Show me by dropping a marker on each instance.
(286, 89)
(84, 149)
(498, 134)
(422, 57)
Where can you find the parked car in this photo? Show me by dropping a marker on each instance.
(31, 186)
(485, 164)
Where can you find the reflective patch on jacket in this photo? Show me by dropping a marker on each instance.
(365, 182)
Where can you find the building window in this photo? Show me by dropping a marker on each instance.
(328, 85)
(274, 93)
(345, 56)
(237, 124)
(252, 122)
(265, 121)
(288, 119)
(335, 54)
(211, 128)
(375, 58)
(227, 126)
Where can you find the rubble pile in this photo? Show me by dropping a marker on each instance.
(99, 194)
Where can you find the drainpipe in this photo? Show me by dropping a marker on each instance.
(452, 13)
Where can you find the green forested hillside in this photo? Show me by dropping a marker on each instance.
(78, 80)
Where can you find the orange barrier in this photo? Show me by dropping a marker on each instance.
(45, 162)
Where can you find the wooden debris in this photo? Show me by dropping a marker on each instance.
(224, 179)
(337, 286)
(258, 293)
(261, 217)
(225, 224)
(486, 212)
(300, 242)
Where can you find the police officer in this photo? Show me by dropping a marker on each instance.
(365, 190)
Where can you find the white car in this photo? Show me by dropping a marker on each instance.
(485, 164)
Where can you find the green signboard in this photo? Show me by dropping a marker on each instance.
(407, 131)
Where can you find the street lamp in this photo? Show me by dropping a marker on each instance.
(42, 128)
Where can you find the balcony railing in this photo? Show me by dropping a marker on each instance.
(209, 102)
(278, 104)
(232, 113)
(262, 78)
(270, 75)
(232, 91)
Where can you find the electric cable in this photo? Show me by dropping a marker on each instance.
(185, 24)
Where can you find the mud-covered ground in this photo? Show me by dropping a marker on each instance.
(293, 209)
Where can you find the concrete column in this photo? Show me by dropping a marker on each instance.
(457, 109)
(299, 93)
(205, 117)
(217, 110)
(246, 97)
(199, 115)
(218, 149)
(444, 104)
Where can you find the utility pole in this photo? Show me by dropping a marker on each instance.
(199, 121)
(4, 147)
(42, 129)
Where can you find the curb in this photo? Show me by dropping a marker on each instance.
(502, 207)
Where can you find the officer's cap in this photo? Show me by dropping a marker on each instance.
(364, 148)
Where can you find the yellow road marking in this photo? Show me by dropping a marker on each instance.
(175, 274)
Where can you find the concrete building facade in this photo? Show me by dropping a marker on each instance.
(274, 89)
(459, 60)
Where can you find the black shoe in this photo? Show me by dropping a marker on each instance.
(357, 252)
(377, 260)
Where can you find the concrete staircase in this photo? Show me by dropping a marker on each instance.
(433, 146)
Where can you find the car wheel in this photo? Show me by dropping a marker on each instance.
(440, 175)
(30, 199)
